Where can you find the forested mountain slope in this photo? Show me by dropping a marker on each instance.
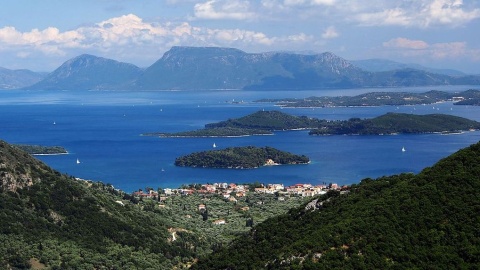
(424, 221)
(57, 222)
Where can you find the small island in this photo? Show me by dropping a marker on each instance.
(258, 123)
(468, 97)
(265, 122)
(247, 157)
(42, 150)
(395, 123)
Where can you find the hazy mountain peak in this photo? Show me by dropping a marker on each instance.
(89, 72)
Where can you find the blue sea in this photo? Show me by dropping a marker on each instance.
(103, 131)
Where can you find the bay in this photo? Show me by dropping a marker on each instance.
(102, 130)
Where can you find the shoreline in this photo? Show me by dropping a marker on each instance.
(54, 154)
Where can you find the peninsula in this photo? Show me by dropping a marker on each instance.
(468, 97)
(265, 122)
(393, 123)
(247, 157)
(212, 132)
(42, 150)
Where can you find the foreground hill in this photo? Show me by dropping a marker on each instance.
(57, 222)
(88, 72)
(207, 68)
(424, 221)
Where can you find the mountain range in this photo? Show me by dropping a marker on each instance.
(202, 68)
(13, 79)
(379, 65)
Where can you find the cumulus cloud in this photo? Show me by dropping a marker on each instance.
(405, 43)
(420, 13)
(405, 13)
(309, 2)
(124, 38)
(330, 32)
(414, 48)
(224, 9)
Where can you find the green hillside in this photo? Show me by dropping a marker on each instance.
(54, 221)
(269, 120)
(398, 123)
(424, 221)
(58, 222)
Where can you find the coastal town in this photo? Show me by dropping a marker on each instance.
(233, 191)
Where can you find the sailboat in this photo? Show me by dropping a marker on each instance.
(78, 161)
(214, 145)
(403, 149)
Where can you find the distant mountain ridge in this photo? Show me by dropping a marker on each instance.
(379, 65)
(13, 79)
(88, 72)
(215, 68)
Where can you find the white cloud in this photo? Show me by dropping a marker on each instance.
(330, 33)
(300, 38)
(234, 36)
(405, 43)
(447, 12)
(395, 16)
(308, 2)
(125, 38)
(323, 2)
(224, 9)
(419, 13)
(436, 51)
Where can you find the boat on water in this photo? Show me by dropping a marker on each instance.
(78, 161)
(403, 149)
(214, 145)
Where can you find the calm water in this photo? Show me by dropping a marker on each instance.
(102, 130)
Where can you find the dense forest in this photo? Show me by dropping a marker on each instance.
(55, 221)
(240, 158)
(468, 97)
(391, 123)
(424, 221)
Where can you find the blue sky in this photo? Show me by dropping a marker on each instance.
(41, 35)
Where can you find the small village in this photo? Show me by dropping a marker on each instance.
(232, 191)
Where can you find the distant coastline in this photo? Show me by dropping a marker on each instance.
(40, 150)
(374, 99)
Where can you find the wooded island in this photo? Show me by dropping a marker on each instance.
(240, 158)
